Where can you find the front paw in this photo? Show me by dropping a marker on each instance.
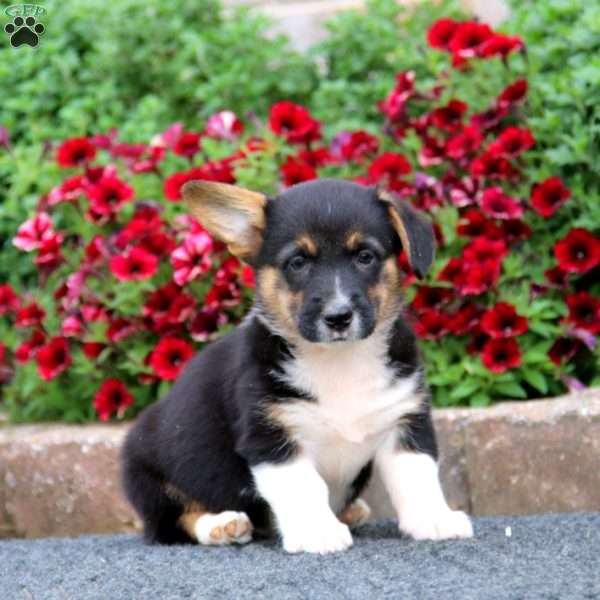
(320, 536)
(437, 524)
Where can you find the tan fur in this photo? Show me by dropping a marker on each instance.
(307, 244)
(187, 521)
(385, 293)
(356, 513)
(232, 214)
(397, 222)
(354, 240)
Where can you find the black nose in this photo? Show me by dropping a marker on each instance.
(338, 320)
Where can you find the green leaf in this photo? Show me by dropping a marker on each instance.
(510, 390)
(536, 380)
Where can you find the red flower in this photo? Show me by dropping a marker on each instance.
(512, 142)
(441, 32)
(248, 277)
(515, 230)
(464, 320)
(478, 278)
(92, 350)
(389, 167)
(137, 264)
(112, 397)
(467, 142)
(474, 223)
(222, 294)
(187, 144)
(296, 171)
(501, 45)
(224, 125)
(53, 358)
(159, 302)
(490, 118)
(482, 249)
(49, 255)
(29, 349)
(316, 157)
(170, 356)
(468, 39)
(109, 195)
(502, 321)
(9, 301)
(96, 250)
(563, 350)
(192, 258)
(358, 145)
(557, 277)
(514, 94)
(431, 152)
(432, 325)
(501, 355)
(495, 203)
(6, 371)
(547, 197)
(578, 252)
(428, 297)
(449, 117)
(30, 315)
(492, 167)
(394, 105)
(68, 191)
(120, 328)
(206, 323)
(72, 326)
(74, 152)
(294, 123)
(584, 311)
(34, 232)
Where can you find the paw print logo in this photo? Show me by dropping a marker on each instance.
(24, 31)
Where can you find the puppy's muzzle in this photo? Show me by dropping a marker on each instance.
(339, 318)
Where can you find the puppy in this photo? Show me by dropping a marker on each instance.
(278, 425)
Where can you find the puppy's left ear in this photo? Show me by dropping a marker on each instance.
(231, 214)
(414, 230)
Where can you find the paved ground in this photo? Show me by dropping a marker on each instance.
(552, 557)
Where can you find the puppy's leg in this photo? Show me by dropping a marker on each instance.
(299, 499)
(410, 475)
(227, 527)
(356, 513)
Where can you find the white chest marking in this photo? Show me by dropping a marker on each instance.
(358, 404)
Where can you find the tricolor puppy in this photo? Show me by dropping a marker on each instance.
(278, 425)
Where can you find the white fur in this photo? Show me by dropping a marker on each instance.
(209, 522)
(298, 497)
(413, 484)
(358, 403)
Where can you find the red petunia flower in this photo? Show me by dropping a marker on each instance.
(547, 197)
(316, 157)
(478, 278)
(512, 142)
(112, 397)
(501, 45)
(224, 125)
(296, 171)
(192, 258)
(29, 349)
(502, 321)
(223, 294)
(449, 117)
(248, 277)
(53, 358)
(473, 223)
(468, 39)
(440, 33)
(495, 203)
(432, 325)
(109, 195)
(34, 232)
(135, 265)
(120, 328)
(389, 167)
(513, 94)
(75, 152)
(358, 145)
(72, 326)
(492, 167)
(9, 301)
(578, 252)
(170, 356)
(490, 118)
(187, 144)
(394, 105)
(49, 253)
(557, 277)
(206, 323)
(431, 152)
(428, 297)
(464, 320)
(515, 230)
(584, 311)
(92, 350)
(482, 249)
(563, 350)
(294, 122)
(465, 143)
(69, 190)
(30, 315)
(500, 355)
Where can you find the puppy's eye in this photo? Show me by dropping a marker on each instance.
(365, 257)
(297, 263)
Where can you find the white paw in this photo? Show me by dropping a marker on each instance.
(437, 524)
(228, 527)
(320, 536)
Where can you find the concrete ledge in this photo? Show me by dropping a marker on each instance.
(513, 458)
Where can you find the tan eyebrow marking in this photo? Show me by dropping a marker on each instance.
(306, 243)
(354, 240)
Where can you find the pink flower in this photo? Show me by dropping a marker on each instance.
(34, 232)
(495, 203)
(224, 125)
(192, 258)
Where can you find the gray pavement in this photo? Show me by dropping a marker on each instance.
(550, 556)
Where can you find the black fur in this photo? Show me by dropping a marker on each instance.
(204, 436)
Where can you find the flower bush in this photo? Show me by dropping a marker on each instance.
(129, 285)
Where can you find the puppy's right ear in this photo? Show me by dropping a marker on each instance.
(231, 214)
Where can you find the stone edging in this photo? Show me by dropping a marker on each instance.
(513, 458)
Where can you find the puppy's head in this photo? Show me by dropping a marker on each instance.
(325, 252)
